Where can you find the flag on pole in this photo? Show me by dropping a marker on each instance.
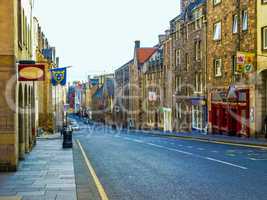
(59, 76)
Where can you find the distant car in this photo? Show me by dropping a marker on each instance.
(75, 127)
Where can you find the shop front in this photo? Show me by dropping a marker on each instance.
(199, 113)
(229, 112)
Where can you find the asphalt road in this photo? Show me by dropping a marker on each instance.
(143, 167)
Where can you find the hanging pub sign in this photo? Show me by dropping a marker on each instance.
(31, 72)
(245, 62)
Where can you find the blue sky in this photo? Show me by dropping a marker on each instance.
(98, 36)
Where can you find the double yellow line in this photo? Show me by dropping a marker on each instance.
(98, 184)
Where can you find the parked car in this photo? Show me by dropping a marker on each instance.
(75, 127)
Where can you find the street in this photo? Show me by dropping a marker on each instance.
(133, 165)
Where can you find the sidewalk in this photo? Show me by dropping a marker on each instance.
(46, 174)
(253, 142)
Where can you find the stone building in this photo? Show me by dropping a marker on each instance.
(167, 83)
(103, 102)
(151, 75)
(49, 99)
(122, 92)
(17, 99)
(261, 100)
(22, 103)
(141, 55)
(188, 34)
(232, 44)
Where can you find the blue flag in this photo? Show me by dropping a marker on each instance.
(59, 76)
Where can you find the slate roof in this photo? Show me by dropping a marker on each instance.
(187, 13)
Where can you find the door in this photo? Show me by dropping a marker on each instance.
(233, 122)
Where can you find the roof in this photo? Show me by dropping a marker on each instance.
(189, 9)
(124, 66)
(143, 54)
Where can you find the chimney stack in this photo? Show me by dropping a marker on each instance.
(137, 44)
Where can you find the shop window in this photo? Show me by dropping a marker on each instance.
(218, 67)
(264, 38)
(235, 24)
(245, 20)
(217, 31)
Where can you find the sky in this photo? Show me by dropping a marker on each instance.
(97, 36)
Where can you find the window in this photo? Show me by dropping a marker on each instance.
(178, 57)
(187, 61)
(245, 20)
(19, 24)
(187, 31)
(198, 82)
(235, 24)
(197, 50)
(218, 67)
(264, 1)
(234, 65)
(264, 38)
(179, 84)
(216, 2)
(179, 110)
(217, 31)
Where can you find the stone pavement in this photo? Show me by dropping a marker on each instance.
(46, 174)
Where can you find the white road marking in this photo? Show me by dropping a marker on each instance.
(179, 151)
(255, 159)
(201, 149)
(226, 163)
(199, 156)
(188, 153)
(126, 138)
(138, 141)
(190, 147)
(155, 145)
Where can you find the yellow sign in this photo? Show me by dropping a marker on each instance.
(245, 62)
